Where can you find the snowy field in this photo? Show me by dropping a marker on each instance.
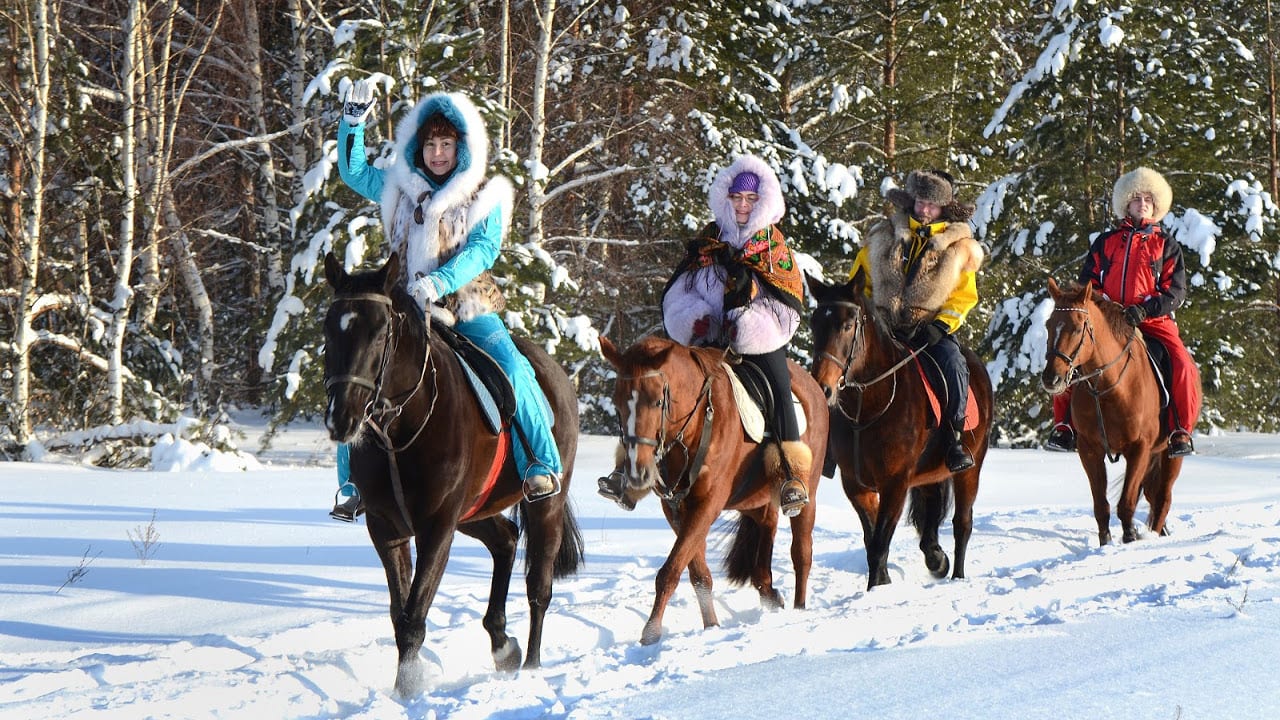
(247, 601)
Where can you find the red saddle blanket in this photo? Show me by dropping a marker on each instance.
(935, 406)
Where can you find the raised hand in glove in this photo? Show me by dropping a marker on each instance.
(1135, 314)
(359, 102)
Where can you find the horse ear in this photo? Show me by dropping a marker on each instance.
(390, 273)
(1054, 291)
(610, 352)
(1088, 292)
(815, 284)
(858, 283)
(333, 270)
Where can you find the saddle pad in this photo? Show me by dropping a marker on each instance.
(749, 409)
(490, 385)
(935, 407)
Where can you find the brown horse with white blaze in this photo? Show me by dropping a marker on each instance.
(882, 436)
(682, 438)
(1115, 406)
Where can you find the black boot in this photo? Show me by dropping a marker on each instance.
(958, 457)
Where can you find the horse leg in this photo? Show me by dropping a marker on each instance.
(965, 490)
(866, 503)
(1158, 489)
(891, 504)
(762, 566)
(498, 535)
(411, 624)
(928, 505)
(691, 542)
(700, 579)
(802, 549)
(546, 529)
(1135, 471)
(1096, 470)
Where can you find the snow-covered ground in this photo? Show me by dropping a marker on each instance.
(247, 601)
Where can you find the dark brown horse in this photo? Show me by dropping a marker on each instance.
(883, 436)
(421, 454)
(1115, 407)
(682, 438)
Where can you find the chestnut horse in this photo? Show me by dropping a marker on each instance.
(881, 434)
(1115, 407)
(421, 454)
(682, 438)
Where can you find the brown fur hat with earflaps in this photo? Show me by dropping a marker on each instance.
(1142, 180)
(934, 186)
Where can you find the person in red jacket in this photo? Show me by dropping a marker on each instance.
(1139, 266)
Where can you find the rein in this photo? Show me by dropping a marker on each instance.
(862, 386)
(380, 412)
(674, 493)
(1087, 378)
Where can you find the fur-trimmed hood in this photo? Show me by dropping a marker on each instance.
(933, 186)
(465, 188)
(1142, 180)
(473, 147)
(767, 212)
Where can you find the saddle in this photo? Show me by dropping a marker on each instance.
(752, 395)
(490, 385)
(1162, 366)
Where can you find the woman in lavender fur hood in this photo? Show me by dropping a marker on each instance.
(738, 287)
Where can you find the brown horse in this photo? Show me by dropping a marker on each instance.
(421, 455)
(880, 430)
(1115, 407)
(682, 438)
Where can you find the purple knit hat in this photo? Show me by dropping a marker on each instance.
(745, 182)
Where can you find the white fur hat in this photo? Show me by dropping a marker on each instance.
(1142, 180)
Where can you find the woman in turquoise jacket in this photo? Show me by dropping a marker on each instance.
(447, 220)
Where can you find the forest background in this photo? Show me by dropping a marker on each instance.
(168, 186)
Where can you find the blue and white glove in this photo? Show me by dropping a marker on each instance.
(424, 290)
(359, 102)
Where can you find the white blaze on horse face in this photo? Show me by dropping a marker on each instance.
(632, 448)
(345, 321)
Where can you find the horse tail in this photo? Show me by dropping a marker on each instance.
(930, 504)
(571, 555)
(743, 556)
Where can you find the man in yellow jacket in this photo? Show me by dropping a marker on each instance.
(922, 264)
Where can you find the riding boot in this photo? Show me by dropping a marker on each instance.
(613, 487)
(788, 467)
(958, 457)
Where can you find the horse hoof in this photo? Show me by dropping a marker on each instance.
(941, 568)
(650, 635)
(507, 658)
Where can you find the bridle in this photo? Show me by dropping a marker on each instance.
(859, 340)
(381, 411)
(674, 491)
(1070, 360)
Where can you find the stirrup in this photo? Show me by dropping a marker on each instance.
(540, 487)
(1180, 445)
(793, 497)
(1061, 439)
(613, 487)
(347, 507)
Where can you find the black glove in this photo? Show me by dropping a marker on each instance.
(1135, 314)
(928, 335)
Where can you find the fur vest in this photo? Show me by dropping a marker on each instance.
(909, 295)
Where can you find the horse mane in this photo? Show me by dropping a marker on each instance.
(1112, 312)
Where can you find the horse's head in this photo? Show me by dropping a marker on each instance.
(359, 340)
(643, 399)
(839, 325)
(1071, 337)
